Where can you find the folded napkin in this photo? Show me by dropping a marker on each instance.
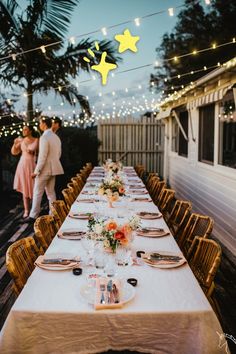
(108, 294)
(80, 215)
(85, 200)
(87, 192)
(149, 216)
(141, 200)
(56, 263)
(71, 235)
(136, 186)
(143, 191)
(162, 258)
(152, 232)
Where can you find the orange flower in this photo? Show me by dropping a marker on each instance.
(119, 235)
(126, 229)
(112, 225)
(124, 241)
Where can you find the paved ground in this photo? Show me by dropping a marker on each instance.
(11, 229)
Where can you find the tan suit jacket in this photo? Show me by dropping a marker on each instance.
(49, 155)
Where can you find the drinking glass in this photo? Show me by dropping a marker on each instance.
(123, 255)
(88, 245)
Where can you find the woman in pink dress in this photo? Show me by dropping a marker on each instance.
(23, 181)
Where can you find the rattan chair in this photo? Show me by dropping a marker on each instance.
(151, 184)
(177, 215)
(45, 229)
(68, 196)
(74, 188)
(20, 258)
(78, 179)
(167, 196)
(204, 258)
(157, 193)
(197, 225)
(59, 211)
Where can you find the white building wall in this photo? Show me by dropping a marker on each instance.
(211, 189)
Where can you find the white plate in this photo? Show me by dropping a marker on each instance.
(165, 266)
(88, 292)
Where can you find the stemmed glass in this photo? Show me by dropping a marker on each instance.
(88, 245)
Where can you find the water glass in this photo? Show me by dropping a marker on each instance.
(123, 255)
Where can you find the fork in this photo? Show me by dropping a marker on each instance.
(102, 289)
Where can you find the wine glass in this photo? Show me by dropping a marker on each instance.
(88, 245)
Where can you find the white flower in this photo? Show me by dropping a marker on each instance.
(98, 229)
(134, 222)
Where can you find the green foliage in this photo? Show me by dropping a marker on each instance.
(197, 28)
(43, 23)
(79, 146)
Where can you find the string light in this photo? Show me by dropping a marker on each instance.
(171, 11)
(92, 32)
(104, 31)
(214, 45)
(72, 40)
(43, 49)
(137, 21)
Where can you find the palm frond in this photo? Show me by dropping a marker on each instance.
(8, 22)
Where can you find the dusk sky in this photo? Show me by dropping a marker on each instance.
(93, 15)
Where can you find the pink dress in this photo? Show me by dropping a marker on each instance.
(23, 182)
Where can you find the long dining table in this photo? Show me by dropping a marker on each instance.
(168, 313)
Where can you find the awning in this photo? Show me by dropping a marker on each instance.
(164, 113)
(208, 98)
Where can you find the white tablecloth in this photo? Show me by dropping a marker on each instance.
(169, 313)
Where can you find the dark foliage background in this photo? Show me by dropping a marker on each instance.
(79, 146)
(197, 27)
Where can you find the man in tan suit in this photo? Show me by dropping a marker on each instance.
(48, 166)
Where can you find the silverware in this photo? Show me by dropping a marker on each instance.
(150, 229)
(115, 292)
(163, 257)
(58, 261)
(109, 292)
(102, 289)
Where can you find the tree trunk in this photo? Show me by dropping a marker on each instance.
(30, 115)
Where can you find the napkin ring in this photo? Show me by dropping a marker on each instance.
(77, 271)
(132, 281)
(139, 253)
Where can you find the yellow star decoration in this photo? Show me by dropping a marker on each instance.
(104, 67)
(127, 41)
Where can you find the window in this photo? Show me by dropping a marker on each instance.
(206, 134)
(183, 143)
(178, 143)
(174, 135)
(227, 140)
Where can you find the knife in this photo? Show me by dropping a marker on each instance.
(116, 294)
(58, 261)
(110, 298)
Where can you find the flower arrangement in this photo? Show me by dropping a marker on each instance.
(111, 233)
(112, 167)
(112, 188)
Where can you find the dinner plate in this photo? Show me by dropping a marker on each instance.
(88, 292)
(78, 236)
(152, 234)
(69, 266)
(164, 266)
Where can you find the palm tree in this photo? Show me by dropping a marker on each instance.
(42, 23)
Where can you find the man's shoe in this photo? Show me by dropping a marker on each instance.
(29, 220)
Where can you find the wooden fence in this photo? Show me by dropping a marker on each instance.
(136, 141)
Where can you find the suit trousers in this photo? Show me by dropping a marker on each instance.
(42, 182)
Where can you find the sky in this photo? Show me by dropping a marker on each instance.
(93, 15)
